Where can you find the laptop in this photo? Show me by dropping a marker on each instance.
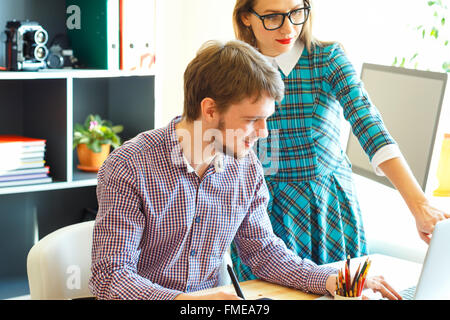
(434, 281)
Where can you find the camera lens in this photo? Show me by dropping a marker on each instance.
(40, 37)
(40, 53)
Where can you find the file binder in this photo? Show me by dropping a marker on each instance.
(137, 34)
(96, 42)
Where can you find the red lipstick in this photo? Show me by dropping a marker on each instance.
(285, 41)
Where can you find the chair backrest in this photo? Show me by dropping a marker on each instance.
(59, 265)
(224, 277)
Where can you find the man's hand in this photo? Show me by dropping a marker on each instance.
(378, 284)
(221, 295)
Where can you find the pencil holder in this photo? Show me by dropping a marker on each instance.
(348, 287)
(338, 297)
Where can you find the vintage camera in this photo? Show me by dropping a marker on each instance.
(25, 46)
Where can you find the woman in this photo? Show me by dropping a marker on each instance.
(313, 206)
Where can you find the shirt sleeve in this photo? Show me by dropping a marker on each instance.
(365, 119)
(268, 256)
(117, 234)
(387, 152)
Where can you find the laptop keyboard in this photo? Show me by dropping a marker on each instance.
(408, 294)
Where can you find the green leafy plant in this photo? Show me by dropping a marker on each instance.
(96, 132)
(431, 31)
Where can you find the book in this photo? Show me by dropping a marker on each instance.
(25, 182)
(33, 164)
(45, 169)
(137, 34)
(96, 42)
(22, 161)
(23, 177)
(18, 152)
(27, 155)
(24, 142)
(37, 148)
(31, 160)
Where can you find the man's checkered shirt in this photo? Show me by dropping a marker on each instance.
(161, 230)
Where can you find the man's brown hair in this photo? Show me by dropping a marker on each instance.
(228, 73)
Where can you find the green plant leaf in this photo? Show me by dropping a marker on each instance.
(103, 132)
(97, 118)
(395, 61)
(117, 129)
(115, 142)
(446, 66)
(413, 57)
(78, 127)
(95, 146)
(434, 33)
(84, 140)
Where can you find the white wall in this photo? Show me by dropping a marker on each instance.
(183, 26)
(378, 30)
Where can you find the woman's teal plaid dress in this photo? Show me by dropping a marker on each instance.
(313, 206)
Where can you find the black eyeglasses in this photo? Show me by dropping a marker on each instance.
(274, 21)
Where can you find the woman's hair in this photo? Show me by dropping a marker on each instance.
(228, 73)
(244, 33)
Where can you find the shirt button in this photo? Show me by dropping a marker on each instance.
(193, 252)
(197, 220)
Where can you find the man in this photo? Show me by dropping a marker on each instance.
(172, 200)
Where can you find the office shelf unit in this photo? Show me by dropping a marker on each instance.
(46, 105)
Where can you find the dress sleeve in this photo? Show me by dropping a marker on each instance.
(365, 119)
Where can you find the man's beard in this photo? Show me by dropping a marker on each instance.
(222, 147)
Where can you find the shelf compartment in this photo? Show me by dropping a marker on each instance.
(37, 108)
(128, 101)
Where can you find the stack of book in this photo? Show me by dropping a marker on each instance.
(22, 161)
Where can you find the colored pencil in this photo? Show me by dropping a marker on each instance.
(347, 286)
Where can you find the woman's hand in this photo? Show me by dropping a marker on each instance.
(426, 218)
(378, 284)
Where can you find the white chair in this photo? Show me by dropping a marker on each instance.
(224, 277)
(59, 265)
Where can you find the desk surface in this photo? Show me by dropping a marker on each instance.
(401, 274)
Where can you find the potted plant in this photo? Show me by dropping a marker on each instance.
(93, 141)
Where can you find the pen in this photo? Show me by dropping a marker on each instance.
(235, 282)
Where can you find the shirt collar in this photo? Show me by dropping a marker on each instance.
(176, 155)
(218, 163)
(288, 60)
